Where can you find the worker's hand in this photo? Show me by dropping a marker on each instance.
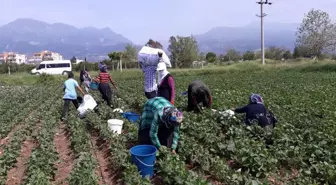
(172, 102)
(174, 152)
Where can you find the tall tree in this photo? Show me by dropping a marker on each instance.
(115, 57)
(183, 51)
(317, 33)
(130, 54)
(210, 57)
(233, 55)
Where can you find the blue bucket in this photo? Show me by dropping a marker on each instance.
(94, 85)
(131, 116)
(144, 157)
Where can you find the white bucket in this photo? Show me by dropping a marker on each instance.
(115, 125)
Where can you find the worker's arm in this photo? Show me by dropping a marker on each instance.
(97, 79)
(241, 110)
(153, 134)
(171, 84)
(176, 138)
(79, 88)
(112, 82)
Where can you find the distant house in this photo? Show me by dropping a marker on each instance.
(12, 57)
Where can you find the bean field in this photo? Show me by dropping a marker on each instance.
(37, 148)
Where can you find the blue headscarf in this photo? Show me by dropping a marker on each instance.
(256, 98)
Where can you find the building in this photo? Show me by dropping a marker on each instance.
(45, 56)
(12, 57)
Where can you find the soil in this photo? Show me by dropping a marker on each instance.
(65, 155)
(102, 153)
(15, 175)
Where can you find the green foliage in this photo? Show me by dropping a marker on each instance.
(73, 60)
(210, 57)
(317, 33)
(233, 55)
(249, 55)
(183, 51)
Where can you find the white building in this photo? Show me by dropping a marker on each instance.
(12, 57)
(45, 56)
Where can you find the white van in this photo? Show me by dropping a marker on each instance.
(53, 67)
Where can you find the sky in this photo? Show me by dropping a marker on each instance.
(139, 20)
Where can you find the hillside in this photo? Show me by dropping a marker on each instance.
(28, 35)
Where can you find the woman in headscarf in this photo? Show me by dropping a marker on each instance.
(198, 96)
(103, 79)
(166, 85)
(160, 124)
(256, 112)
(86, 79)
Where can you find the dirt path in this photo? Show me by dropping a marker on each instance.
(16, 174)
(65, 155)
(102, 154)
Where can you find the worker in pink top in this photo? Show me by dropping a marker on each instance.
(166, 84)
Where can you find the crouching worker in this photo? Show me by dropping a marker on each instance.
(256, 112)
(70, 94)
(199, 96)
(160, 124)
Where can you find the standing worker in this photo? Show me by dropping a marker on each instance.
(86, 79)
(70, 94)
(199, 96)
(104, 87)
(166, 85)
(160, 124)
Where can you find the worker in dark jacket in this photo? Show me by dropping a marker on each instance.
(166, 85)
(256, 112)
(198, 96)
(160, 124)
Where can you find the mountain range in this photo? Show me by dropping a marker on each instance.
(28, 36)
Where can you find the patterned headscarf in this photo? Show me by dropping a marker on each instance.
(103, 68)
(172, 116)
(256, 98)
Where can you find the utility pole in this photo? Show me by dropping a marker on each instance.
(262, 15)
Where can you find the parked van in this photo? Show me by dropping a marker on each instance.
(53, 67)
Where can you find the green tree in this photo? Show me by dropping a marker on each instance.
(317, 33)
(233, 55)
(210, 57)
(249, 55)
(201, 56)
(287, 55)
(274, 53)
(183, 51)
(115, 57)
(130, 54)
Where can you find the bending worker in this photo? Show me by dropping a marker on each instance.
(198, 96)
(166, 84)
(160, 124)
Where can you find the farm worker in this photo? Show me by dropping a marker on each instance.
(86, 79)
(101, 65)
(160, 124)
(257, 112)
(198, 96)
(70, 94)
(166, 85)
(104, 88)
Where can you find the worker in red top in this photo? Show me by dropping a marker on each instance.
(104, 87)
(199, 96)
(166, 85)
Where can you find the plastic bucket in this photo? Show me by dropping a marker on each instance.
(94, 85)
(115, 125)
(131, 116)
(144, 157)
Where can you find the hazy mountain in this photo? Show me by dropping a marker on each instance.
(221, 39)
(28, 35)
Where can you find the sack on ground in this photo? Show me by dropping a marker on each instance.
(148, 56)
(88, 104)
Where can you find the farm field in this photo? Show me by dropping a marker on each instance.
(36, 148)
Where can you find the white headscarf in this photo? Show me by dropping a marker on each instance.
(162, 71)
